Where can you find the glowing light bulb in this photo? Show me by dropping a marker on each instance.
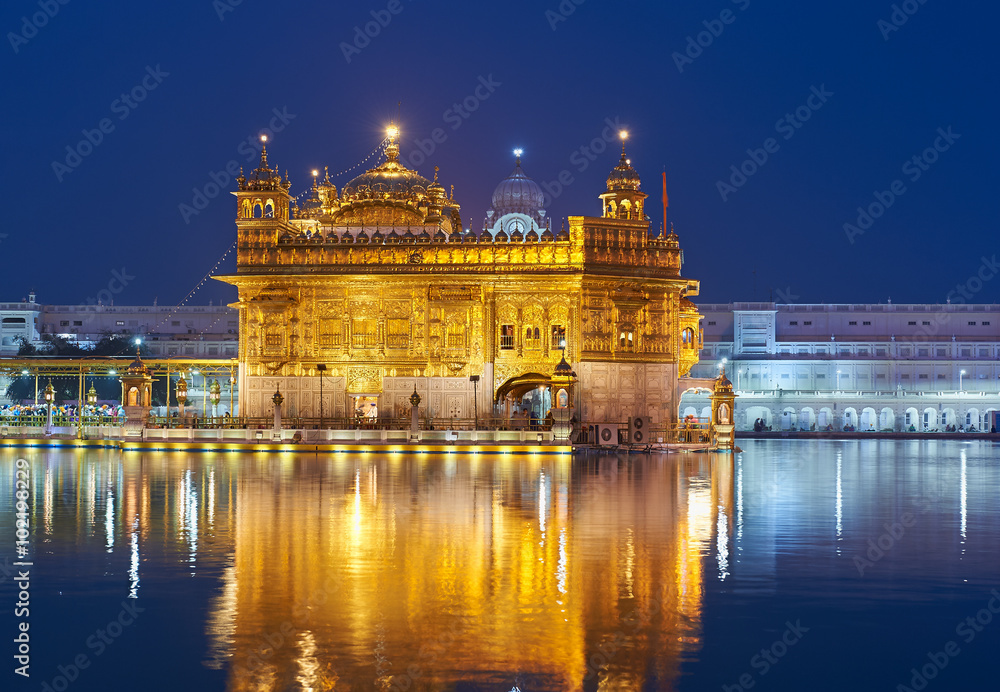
(518, 152)
(392, 131)
(623, 135)
(315, 172)
(263, 138)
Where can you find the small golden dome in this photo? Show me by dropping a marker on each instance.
(623, 176)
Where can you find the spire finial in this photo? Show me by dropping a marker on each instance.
(263, 151)
(392, 149)
(326, 174)
(623, 134)
(435, 174)
(517, 156)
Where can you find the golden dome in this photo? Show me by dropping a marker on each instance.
(722, 384)
(137, 368)
(623, 176)
(390, 180)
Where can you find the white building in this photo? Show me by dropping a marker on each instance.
(18, 321)
(870, 367)
(199, 331)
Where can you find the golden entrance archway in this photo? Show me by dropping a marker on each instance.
(512, 391)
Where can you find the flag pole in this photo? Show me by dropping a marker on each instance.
(663, 232)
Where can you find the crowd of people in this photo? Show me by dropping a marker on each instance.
(528, 419)
(29, 414)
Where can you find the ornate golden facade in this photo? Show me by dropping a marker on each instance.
(380, 282)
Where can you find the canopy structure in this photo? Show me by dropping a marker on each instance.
(48, 366)
(517, 387)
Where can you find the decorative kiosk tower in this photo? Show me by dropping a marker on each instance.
(137, 386)
(723, 407)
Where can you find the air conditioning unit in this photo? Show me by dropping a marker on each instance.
(638, 429)
(606, 435)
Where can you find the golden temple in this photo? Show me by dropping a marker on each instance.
(380, 283)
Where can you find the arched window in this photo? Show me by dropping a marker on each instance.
(258, 210)
(269, 210)
(532, 338)
(724, 414)
(687, 336)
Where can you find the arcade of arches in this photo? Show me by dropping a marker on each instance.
(862, 418)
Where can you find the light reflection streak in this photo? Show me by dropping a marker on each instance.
(357, 501)
(308, 678)
(49, 492)
(561, 565)
(221, 625)
(964, 507)
(109, 521)
(133, 572)
(739, 501)
(541, 506)
(90, 497)
(630, 563)
(840, 502)
(211, 498)
(722, 543)
(189, 509)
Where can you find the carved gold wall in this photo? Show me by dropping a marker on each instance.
(390, 308)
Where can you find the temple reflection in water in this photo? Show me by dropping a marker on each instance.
(496, 571)
(415, 572)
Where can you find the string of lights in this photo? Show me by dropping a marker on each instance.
(379, 149)
(195, 289)
(209, 327)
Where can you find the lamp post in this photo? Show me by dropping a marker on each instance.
(50, 398)
(232, 386)
(276, 400)
(181, 395)
(216, 396)
(414, 414)
(321, 368)
(474, 379)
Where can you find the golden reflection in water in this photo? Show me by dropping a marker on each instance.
(401, 573)
(411, 573)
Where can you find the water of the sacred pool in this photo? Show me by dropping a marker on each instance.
(794, 565)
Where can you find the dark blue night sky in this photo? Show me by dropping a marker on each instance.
(865, 90)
